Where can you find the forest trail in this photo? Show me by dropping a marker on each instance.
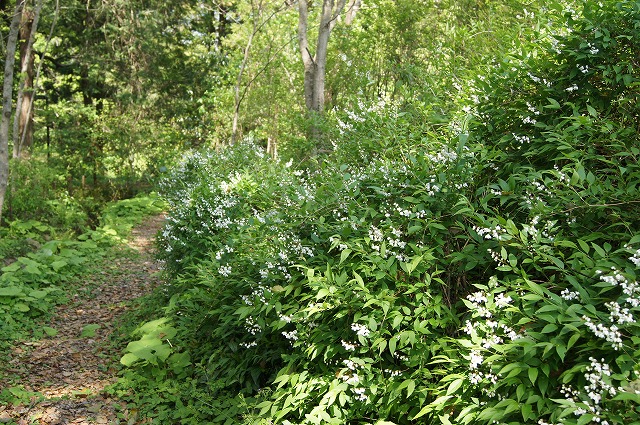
(69, 372)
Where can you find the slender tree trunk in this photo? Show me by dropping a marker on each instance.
(236, 90)
(7, 92)
(23, 120)
(315, 64)
(351, 12)
(29, 105)
(257, 11)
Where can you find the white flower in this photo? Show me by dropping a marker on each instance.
(569, 295)
(360, 394)
(352, 380)
(224, 270)
(502, 301)
(291, 336)
(475, 359)
(361, 330)
(350, 364)
(477, 298)
(610, 334)
(348, 346)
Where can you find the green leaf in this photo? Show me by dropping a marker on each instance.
(553, 104)
(38, 294)
(411, 386)
(455, 385)
(33, 268)
(561, 350)
(179, 361)
(89, 331)
(129, 359)
(50, 331)
(527, 412)
(585, 419)
(15, 266)
(10, 291)
(57, 265)
(599, 250)
(439, 402)
(323, 292)
(556, 261)
(392, 344)
(21, 307)
(533, 374)
(414, 229)
(573, 340)
(145, 348)
(627, 396)
(344, 254)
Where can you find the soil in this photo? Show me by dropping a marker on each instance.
(68, 372)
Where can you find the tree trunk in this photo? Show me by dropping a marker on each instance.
(315, 64)
(23, 121)
(351, 12)
(236, 90)
(29, 106)
(7, 92)
(257, 22)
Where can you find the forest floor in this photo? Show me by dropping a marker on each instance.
(65, 376)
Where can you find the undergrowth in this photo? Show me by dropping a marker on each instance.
(484, 274)
(40, 277)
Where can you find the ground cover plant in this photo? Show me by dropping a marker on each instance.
(38, 278)
(481, 274)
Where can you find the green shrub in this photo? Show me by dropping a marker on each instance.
(491, 278)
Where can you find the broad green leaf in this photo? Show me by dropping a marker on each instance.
(15, 266)
(38, 294)
(344, 254)
(21, 307)
(10, 291)
(57, 265)
(455, 385)
(50, 331)
(145, 348)
(129, 359)
(89, 331)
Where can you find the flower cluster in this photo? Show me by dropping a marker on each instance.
(360, 329)
(610, 333)
(568, 295)
(394, 239)
(521, 139)
(590, 398)
(348, 345)
(635, 258)
(351, 377)
(486, 333)
(496, 233)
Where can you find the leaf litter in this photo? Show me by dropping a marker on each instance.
(64, 375)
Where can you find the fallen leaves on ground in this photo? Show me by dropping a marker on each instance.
(68, 370)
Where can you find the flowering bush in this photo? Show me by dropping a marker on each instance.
(487, 279)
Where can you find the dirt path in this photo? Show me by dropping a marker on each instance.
(70, 370)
